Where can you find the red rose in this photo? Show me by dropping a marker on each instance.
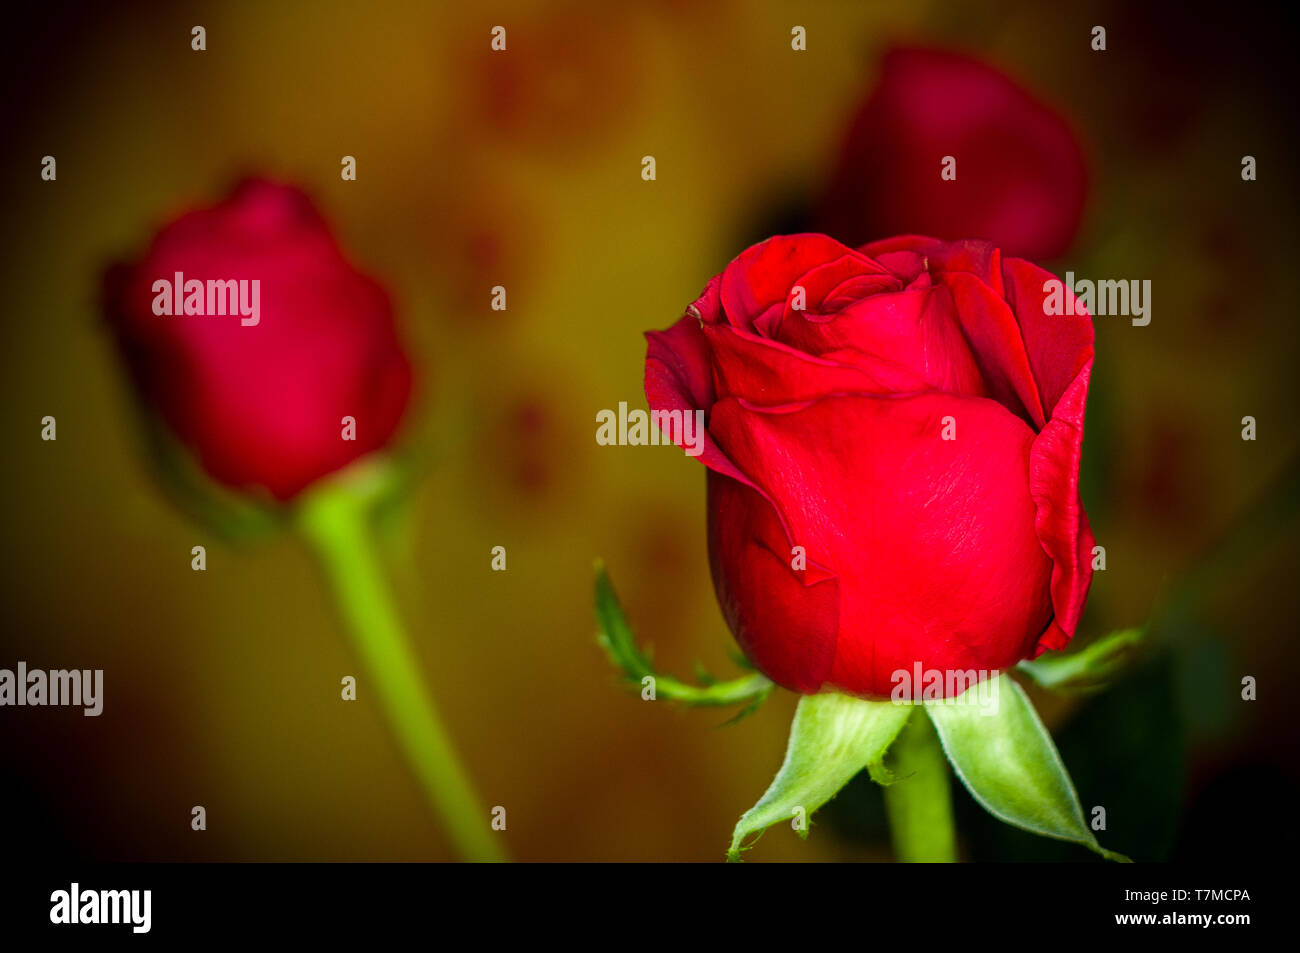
(916, 430)
(1021, 179)
(258, 384)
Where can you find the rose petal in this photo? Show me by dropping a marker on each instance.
(1059, 346)
(768, 373)
(906, 256)
(678, 376)
(708, 306)
(1060, 522)
(918, 330)
(932, 541)
(761, 276)
(994, 336)
(784, 620)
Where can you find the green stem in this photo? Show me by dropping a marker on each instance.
(334, 518)
(620, 645)
(919, 803)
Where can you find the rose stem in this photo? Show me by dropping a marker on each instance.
(335, 520)
(919, 803)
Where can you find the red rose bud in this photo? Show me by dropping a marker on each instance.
(947, 145)
(893, 439)
(265, 351)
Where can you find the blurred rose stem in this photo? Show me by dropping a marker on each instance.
(919, 802)
(335, 519)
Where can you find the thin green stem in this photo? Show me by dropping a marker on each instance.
(334, 518)
(919, 802)
(620, 645)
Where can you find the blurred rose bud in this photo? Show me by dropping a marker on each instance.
(1018, 176)
(270, 341)
(892, 441)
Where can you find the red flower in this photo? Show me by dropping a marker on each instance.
(1021, 180)
(258, 383)
(916, 430)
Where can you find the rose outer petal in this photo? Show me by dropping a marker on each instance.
(678, 377)
(785, 622)
(1061, 524)
(932, 541)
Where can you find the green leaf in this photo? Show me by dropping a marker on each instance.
(999, 748)
(1089, 669)
(619, 642)
(832, 738)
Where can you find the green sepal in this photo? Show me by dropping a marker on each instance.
(881, 774)
(1091, 668)
(619, 642)
(832, 738)
(998, 747)
(229, 515)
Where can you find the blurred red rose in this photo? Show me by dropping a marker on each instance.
(1021, 178)
(916, 429)
(260, 403)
